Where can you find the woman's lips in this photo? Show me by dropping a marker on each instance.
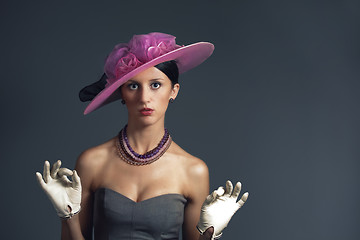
(146, 111)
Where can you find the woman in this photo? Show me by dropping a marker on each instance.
(140, 184)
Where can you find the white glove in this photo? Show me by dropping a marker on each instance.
(64, 194)
(219, 207)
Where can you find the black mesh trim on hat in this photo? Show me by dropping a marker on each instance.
(89, 92)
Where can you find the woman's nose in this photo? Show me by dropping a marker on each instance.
(145, 95)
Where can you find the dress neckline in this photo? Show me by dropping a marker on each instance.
(145, 200)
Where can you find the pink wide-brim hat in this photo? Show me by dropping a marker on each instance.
(144, 51)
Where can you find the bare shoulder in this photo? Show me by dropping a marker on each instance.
(92, 160)
(195, 170)
(195, 167)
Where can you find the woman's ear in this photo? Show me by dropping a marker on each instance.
(175, 91)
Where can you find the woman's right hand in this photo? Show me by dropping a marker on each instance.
(64, 194)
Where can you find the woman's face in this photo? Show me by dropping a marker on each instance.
(147, 96)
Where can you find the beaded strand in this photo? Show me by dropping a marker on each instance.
(126, 153)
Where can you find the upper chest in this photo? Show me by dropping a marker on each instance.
(166, 175)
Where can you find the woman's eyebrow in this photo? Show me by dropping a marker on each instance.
(153, 79)
(132, 81)
(157, 79)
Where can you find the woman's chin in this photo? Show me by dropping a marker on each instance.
(144, 121)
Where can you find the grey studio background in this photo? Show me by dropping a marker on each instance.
(276, 106)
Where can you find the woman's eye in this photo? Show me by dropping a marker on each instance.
(133, 86)
(155, 85)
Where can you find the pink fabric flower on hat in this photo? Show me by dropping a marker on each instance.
(112, 61)
(126, 64)
(152, 45)
(141, 49)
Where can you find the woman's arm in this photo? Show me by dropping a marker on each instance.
(198, 189)
(80, 226)
(70, 229)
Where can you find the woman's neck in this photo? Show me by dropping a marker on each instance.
(144, 138)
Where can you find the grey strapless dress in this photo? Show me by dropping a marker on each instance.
(118, 217)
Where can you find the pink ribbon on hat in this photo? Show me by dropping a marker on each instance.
(141, 49)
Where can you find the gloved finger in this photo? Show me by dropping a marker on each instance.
(64, 172)
(237, 190)
(210, 198)
(229, 188)
(46, 171)
(217, 193)
(40, 180)
(65, 181)
(243, 199)
(76, 183)
(220, 191)
(55, 168)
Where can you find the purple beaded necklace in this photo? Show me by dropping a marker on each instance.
(127, 154)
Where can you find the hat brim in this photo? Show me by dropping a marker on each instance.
(186, 57)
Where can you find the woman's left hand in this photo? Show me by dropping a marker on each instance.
(219, 207)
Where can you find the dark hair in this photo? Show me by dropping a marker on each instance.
(170, 69)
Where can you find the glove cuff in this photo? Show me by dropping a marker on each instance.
(202, 232)
(68, 215)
